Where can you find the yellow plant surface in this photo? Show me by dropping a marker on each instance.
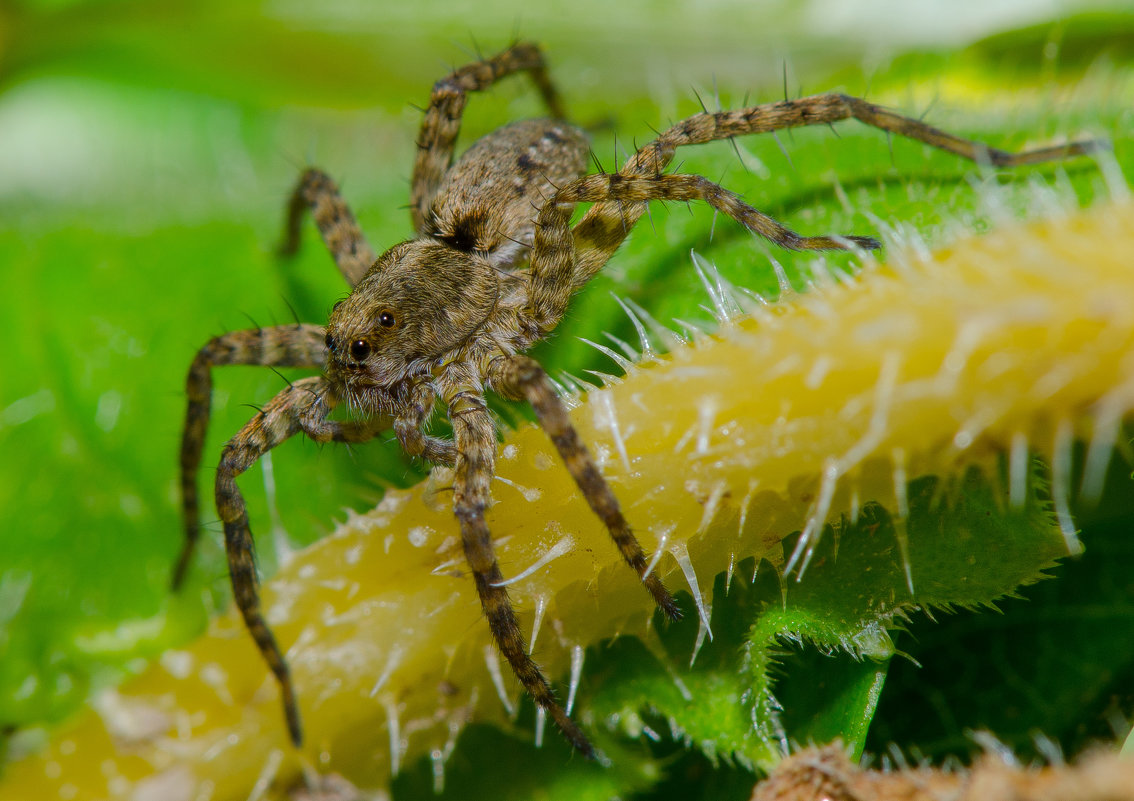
(791, 415)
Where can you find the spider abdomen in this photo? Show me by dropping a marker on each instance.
(488, 200)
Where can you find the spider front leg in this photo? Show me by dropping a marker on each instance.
(279, 346)
(302, 407)
(522, 378)
(442, 123)
(335, 221)
(558, 269)
(476, 465)
(605, 225)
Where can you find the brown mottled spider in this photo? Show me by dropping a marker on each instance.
(449, 314)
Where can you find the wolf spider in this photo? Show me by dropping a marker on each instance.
(449, 314)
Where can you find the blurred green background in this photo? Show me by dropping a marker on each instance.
(146, 150)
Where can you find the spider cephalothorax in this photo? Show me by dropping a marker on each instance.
(442, 318)
(421, 300)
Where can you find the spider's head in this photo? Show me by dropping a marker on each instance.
(419, 300)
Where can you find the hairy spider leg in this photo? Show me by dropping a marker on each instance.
(522, 378)
(296, 345)
(302, 407)
(601, 230)
(475, 435)
(554, 259)
(335, 221)
(438, 135)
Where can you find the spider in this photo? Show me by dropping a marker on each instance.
(447, 316)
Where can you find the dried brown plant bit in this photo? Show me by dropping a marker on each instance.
(448, 315)
(825, 774)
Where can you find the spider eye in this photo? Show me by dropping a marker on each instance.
(386, 319)
(359, 350)
(329, 341)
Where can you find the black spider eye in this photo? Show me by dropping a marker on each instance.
(330, 341)
(359, 350)
(387, 320)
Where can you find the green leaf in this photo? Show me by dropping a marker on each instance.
(744, 697)
(1055, 669)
